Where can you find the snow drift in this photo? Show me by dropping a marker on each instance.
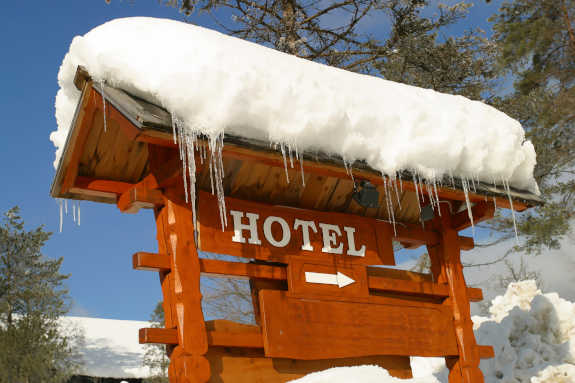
(217, 84)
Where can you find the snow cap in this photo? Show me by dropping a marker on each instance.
(220, 84)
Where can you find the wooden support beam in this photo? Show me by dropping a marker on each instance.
(219, 332)
(486, 352)
(465, 367)
(390, 280)
(106, 186)
(139, 197)
(77, 138)
(466, 243)
(482, 211)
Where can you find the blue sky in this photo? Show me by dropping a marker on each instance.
(34, 39)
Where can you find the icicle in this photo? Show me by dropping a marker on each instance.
(469, 212)
(416, 192)
(508, 191)
(104, 105)
(174, 134)
(66, 206)
(79, 215)
(349, 170)
(61, 213)
(495, 202)
(74, 212)
(436, 196)
(300, 159)
(217, 169)
(290, 156)
(396, 191)
(282, 147)
(389, 204)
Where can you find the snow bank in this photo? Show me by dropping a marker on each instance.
(215, 83)
(359, 374)
(533, 335)
(111, 347)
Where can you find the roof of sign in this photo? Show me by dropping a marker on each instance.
(154, 125)
(216, 84)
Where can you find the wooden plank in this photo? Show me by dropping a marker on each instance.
(361, 230)
(323, 329)
(481, 212)
(219, 333)
(139, 197)
(390, 280)
(77, 140)
(467, 364)
(239, 365)
(486, 352)
(300, 286)
(107, 186)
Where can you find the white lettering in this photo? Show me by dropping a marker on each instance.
(239, 227)
(351, 250)
(330, 239)
(305, 226)
(286, 232)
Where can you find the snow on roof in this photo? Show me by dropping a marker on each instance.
(218, 84)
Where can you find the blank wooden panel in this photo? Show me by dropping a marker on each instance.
(321, 329)
(251, 366)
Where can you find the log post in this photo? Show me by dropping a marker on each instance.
(188, 363)
(447, 267)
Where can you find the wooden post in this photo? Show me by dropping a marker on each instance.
(447, 267)
(188, 363)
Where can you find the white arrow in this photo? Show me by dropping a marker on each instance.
(339, 279)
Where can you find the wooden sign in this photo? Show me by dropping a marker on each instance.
(322, 329)
(274, 233)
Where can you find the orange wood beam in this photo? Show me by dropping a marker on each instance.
(106, 186)
(482, 211)
(88, 107)
(139, 197)
(211, 267)
(215, 338)
(486, 352)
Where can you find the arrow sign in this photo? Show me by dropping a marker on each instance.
(338, 279)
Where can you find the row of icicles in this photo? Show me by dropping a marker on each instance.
(189, 143)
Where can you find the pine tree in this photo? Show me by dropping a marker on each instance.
(536, 43)
(33, 348)
(155, 357)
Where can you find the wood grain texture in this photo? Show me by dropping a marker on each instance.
(467, 363)
(323, 329)
(238, 365)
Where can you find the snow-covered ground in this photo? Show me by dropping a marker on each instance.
(111, 347)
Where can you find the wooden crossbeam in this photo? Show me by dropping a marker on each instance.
(252, 339)
(482, 211)
(486, 352)
(388, 280)
(219, 333)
